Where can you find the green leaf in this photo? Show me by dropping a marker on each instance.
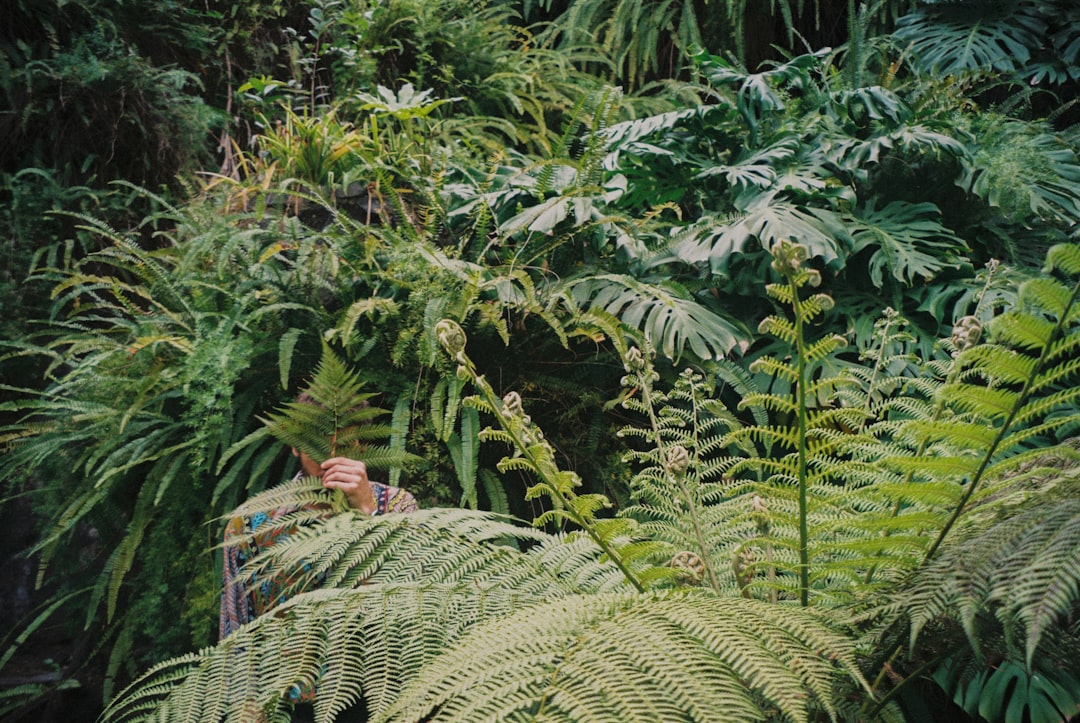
(285, 352)
(663, 311)
(907, 240)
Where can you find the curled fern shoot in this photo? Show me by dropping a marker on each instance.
(533, 454)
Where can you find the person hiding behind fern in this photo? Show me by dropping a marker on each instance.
(330, 429)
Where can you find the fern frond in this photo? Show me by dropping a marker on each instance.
(1064, 258)
(999, 357)
(697, 649)
(430, 546)
(1022, 567)
(770, 402)
(396, 590)
(338, 421)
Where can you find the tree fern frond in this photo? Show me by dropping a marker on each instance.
(937, 466)
(987, 402)
(1039, 416)
(999, 356)
(1063, 358)
(1064, 258)
(499, 672)
(770, 402)
(294, 493)
(827, 345)
(396, 590)
(771, 367)
(785, 437)
(1021, 567)
(368, 641)
(1007, 366)
(1023, 330)
(430, 546)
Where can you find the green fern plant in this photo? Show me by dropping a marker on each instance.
(535, 455)
(861, 481)
(810, 435)
(992, 415)
(680, 470)
(413, 594)
(337, 421)
(148, 358)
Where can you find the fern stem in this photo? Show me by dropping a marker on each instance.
(914, 675)
(565, 499)
(800, 405)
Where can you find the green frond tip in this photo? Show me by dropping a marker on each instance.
(332, 417)
(1064, 258)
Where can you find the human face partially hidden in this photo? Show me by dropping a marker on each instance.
(311, 467)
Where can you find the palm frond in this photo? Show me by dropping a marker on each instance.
(666, 313)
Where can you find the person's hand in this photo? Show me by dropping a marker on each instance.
(350, 476)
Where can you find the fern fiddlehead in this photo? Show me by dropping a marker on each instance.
(535, 455)
(674, 459)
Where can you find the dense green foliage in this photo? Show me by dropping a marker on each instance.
(453, 624)
(802, 233)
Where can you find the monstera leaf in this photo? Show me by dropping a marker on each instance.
(666, 312)
(951, 38)
(909, 241)
(715, 241)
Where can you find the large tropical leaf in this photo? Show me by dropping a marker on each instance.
(715, 241)
(666, 312)
(909, 241)
(949, 38)
(758, 94)
(1023, 170)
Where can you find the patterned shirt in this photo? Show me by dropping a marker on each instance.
(239, 605)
